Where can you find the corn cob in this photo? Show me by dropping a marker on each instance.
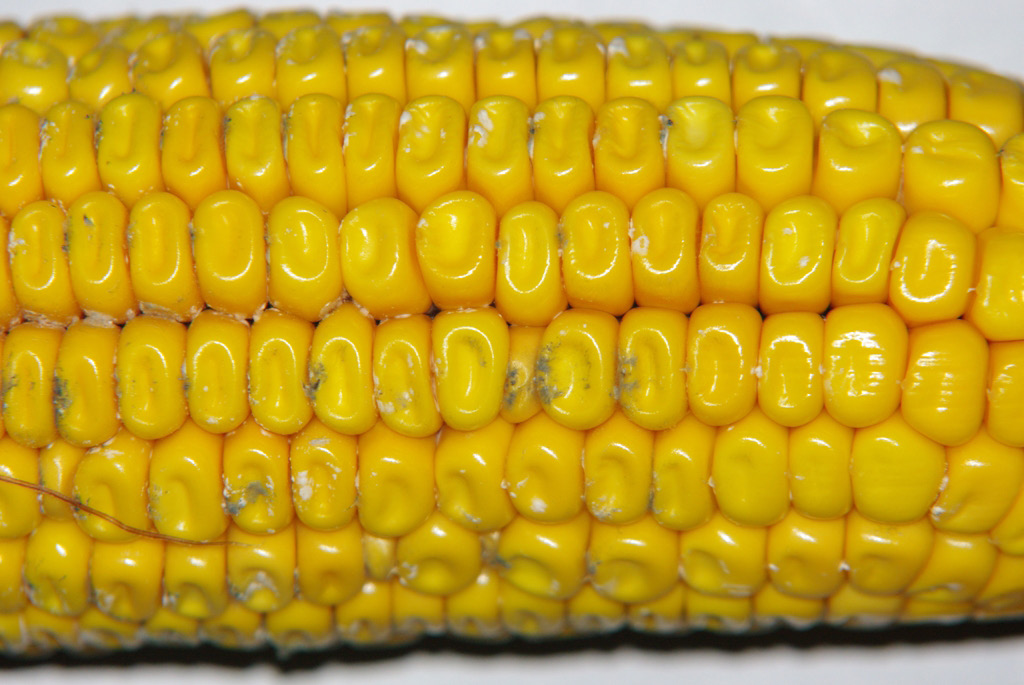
(339, 328)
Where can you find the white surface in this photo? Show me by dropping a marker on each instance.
(987, 33)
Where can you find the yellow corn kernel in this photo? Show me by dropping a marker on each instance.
(455, 246)
(933, 269)
(664, 250)
(195, 580)
(19, 506)
(29, 358)
(837, 78)
(796, 256)
(1008, 535)
(628, 157)
(865, 241)
(957, 570)
(112, 479)
(14, 635)
(851, 608)
(314, 152)
(192, 158)
(132, 32)
(12, 561)
(58, 462)
(10, 308)
(230, 253)
(414, 614)
(718, 614)
(819, 468)
(701, 67)
(216, 367)
(590, 613)
(366, 618)
(71, 35)
(748, 468)
(67, 156)
(45, 632)
(700, 153)
(20, 175)
(774, 150)
(379, 555)
(85, 403)
(474, 611)
(1011, 199)
(896, 471)
(521, 400)
(944, 388)
(98, 631)
(632, 563)
(723, 559)
(617, 458)
(323, 470)
(235, 628)
(951, 167)
(340, 376)
(431, 150)
(681, 496)
(169, 67)
(911, 92)
(261, 568)
(545, 559)
(996, 307)
(596, 263)
(664, 615)
(9, 31)
(1002, 594)
(160, 257)
(571, 61)
(128, 147)
(805, 556)
(506, 65)
(396, 481)
(732, 41)
(638, 66)
(39, 265)
(33, 74)
(721, 353)
(127, 578)
(992, 103)
(730, 250)
(310, 60)
(283, 22)
(185, 484)
(56, 572)
(242, 64)
(884, 559)
(983, 479)
(404, 392)
(151, 348)
(299, 626)
(789, 387)
(329, 563)
(97, 256)
(528, 291)
(544, 470)
(254, 151)
(469, 469)
(379, 259)
(865, 358)
(470, 356)
(859, 158)
(439, 557)
(652, 374)
(439, 60)
(304, 271)
(375, 62)
(563, 156)
(498, 164)
(257, 483)
(207, 28)
(762, 69)
(576, 374)
(278, 357)
(772, 608)
(1005, 393)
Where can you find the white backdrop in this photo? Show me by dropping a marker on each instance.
(987, 33)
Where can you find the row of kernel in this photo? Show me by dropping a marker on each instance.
(463, 368)
(246, 59)
(376, 148)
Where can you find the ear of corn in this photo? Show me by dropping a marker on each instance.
(339, 328)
